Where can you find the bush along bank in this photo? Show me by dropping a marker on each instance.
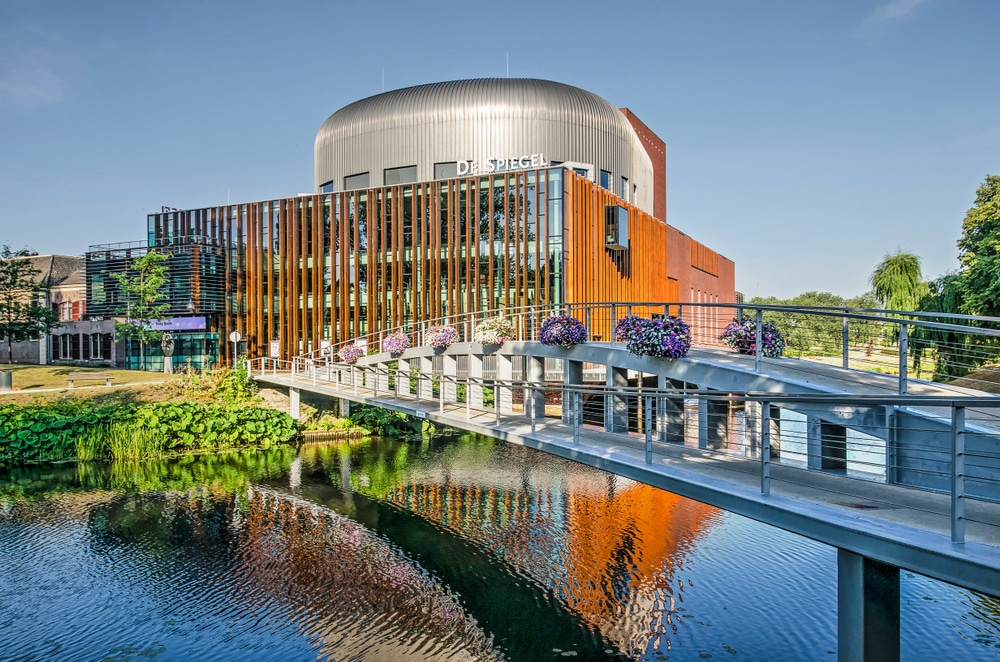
(83, 430)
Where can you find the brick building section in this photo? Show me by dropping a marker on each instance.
(657, 151)
(703, 276)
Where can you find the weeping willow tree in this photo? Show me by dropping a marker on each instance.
(897, 281)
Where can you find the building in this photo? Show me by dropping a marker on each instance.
(443, 199)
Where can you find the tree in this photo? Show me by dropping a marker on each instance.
(145, 292)
(897, 281)
(23, 313)
(979, 252)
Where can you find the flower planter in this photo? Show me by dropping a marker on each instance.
(491, 348)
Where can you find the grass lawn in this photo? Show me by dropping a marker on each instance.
(27, 377)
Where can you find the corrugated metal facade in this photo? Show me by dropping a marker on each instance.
(478, 120)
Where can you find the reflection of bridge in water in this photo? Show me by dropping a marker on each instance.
(927, 454)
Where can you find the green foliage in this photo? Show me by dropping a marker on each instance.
(144, 290)
(67, 431)
(979, 252)
(22, 315)
(389, 423)
(897, 281)
(231, 385)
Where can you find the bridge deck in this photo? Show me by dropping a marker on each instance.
(902, 526)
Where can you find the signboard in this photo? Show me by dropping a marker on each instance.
(274, 349)
(179, 324)
(526, 162)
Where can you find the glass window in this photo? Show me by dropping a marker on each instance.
(624, 189)
(326, 188)
(404, 175)
(354, 182)
(447, 170)
(606, 179)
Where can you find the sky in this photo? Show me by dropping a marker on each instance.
(805, 139)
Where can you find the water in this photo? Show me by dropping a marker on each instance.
(442, 549)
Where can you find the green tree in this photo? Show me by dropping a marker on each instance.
(897, 281)
(979, 251)
(23, 313)
(145, 291)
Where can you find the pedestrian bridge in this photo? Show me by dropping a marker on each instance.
(893, 473)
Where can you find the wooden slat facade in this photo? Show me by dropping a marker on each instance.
(333, 266)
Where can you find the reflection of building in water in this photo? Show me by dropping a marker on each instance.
(606, 547)
(363, 596)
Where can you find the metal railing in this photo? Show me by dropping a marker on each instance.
(962, 349)
(946, 445)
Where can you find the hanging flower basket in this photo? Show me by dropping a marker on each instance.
(440, 336)
(562, 330)
(493, 331)
(350, 353)
(741, 335)
(668, 337)
(396, 343)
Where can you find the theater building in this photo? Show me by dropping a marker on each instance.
(450, 198)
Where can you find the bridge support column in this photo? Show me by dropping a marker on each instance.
(345, 408)
(449, 373)
(382, 377)
(867, 609)
(474, 388)
(754, 430)
(425, 387)
(403, 377)
(503, 394)
(669, 413)
(826, 444)
(572, 376)
(616, 406)
(713, 422)
(535, 374)
(294, 406)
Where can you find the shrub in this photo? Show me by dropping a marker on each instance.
(440, 335)
(396, 343)
(562, 330)
(350, 353)
(493, 331)
(668, 337)
(741, 335)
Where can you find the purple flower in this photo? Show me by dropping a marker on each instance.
(562, 330)
(396, 343)
(741, 335)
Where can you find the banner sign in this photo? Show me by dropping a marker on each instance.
(179, 324)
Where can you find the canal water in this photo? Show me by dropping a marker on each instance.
(446, 548)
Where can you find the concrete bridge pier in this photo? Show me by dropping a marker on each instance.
(402, 377)
(572, 376)
(425, 388)
(474, 388)
(867, 609)
(294, 403)
(449, 373)
(616, 406)
(503, 395)
(669, 413)
(754, 411)
(535, 398)
(713, 423)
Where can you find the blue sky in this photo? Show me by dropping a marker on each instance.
(805, 139)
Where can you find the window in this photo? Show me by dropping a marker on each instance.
(326, 188)
(65, 311)
(404, 175)
(356, 181)
(623, 192)
(606, 180)
(95, 345)
(447, 170)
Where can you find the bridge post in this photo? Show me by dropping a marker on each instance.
(425, 387)
(503, 396)
(449, 373)
(294, 405)
(669, 412)
(572, 377)
(616, 405)
(712, 423)
(474, 387)
(867, 609)
(402, 377)
(534, 400)
(382, 376)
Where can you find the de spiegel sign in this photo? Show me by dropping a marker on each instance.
(526, 162)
